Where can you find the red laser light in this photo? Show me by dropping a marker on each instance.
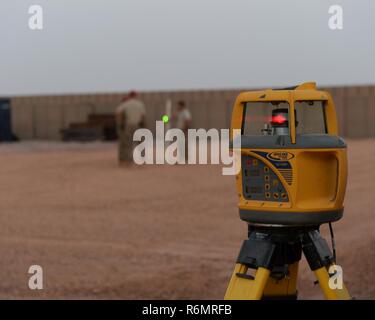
(280, 119)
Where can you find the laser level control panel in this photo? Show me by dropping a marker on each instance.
(260, 182)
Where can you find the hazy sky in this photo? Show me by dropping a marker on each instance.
(113, 45)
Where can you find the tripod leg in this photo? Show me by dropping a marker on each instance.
(256, 253)
(246, 287)
(320, 258)
(285, 288)
(323, 277)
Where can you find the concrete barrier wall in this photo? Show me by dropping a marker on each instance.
(43, 117)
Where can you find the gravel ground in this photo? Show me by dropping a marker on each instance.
(153, 232)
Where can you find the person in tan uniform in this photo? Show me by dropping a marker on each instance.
(183, 120)
(130, 116)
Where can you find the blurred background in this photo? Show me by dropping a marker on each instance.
(101, 231)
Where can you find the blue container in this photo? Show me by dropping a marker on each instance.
(5, 121)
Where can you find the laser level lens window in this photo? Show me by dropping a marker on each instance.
(266, 118)
(310, 117)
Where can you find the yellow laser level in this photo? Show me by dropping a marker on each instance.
(292, 179)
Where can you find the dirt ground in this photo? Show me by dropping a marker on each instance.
(154, 232)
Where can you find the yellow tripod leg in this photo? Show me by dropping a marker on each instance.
(244, 288)
(330, 294)
(284, 288)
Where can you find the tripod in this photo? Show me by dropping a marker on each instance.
(273, 255)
